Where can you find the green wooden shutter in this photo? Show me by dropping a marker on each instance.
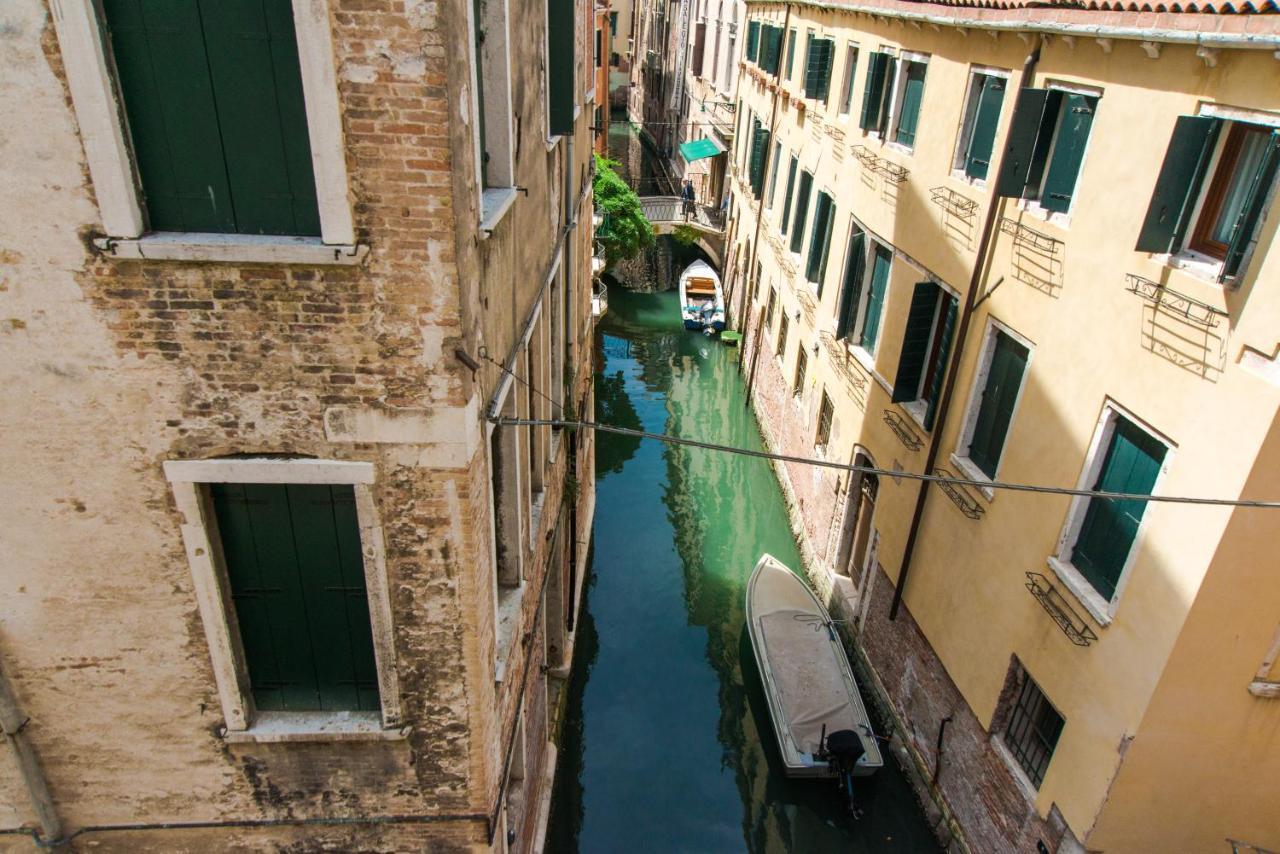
(560, 61)
(1068, 151)
(946, 331)
(873, 93)
(163, 72)
(817, 76)
(915, 341)
(909, 112)
(995, 411)
(818, 241)
(757, 185)
(1183, 169)
(771, 49)
(1244, 235)
(1020, 146)
(296, 575)
(1110, 526)
(802, 210)
(875, 299)
(257, 83)
(786, 202)
(753, 41)
(766, 36)
(851, 291)
(825, 252)
(982, 135)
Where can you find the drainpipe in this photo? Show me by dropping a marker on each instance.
(970, 303)
(755, 241)
(14, 724)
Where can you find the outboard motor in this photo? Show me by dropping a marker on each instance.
(841, 750)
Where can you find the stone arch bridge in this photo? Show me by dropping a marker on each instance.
(667, 212)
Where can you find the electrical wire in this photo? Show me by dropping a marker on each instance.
(893, 473)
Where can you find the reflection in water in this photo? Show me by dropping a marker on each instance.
(667, 743)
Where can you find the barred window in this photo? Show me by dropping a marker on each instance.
(825, 413)
(1034, 728)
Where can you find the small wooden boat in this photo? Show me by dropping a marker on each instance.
(701, 301)
(818, 717)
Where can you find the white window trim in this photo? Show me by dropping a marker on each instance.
(81, 39)
(1062, 219)
(895, 98)
(1103, 610)
(496, 197)
(961, 455)
(965, 128)
(864, 298)
(218, 615)
(848, 83)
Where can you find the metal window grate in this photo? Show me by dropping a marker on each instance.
(1034, 728)
(900, 429)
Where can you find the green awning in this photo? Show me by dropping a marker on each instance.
(699, 149)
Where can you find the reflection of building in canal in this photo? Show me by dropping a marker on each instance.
(1042, 260)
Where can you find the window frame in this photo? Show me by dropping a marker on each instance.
(848, 83)
(822, 436)
(917, 407)
(1016, 753)
(90, 72)
(968, 116)
(1062, 218)
(802, 368)
(1101, 609)
(901, 60)
(199, 530)
(858, 331)
(784, 329)
(982, 371)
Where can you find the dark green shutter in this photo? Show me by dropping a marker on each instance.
(771, 48)
(1020, 147)
(1068, 152)
(296, 576)
(1110, 526)
(1184, 165)
(909, 112)
(825, 252)
(786, 202)
(561, 26)
(915, 341)
(873, 93)
(1244, 235)
(817, 76)
(822, 215)
(757, 184)
(478, 15)
(982, 135)
(995, 410)
(946, 331)
(802, 210)
(875, 299)
(753, 41)
(773, 173)
(851, 292)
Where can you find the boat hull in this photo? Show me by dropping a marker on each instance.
(807, 679)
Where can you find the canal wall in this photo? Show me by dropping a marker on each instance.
(969, 797)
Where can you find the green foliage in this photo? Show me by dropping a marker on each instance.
(625, 230)
(685, 235)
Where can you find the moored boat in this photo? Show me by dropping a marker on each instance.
(820, 723)
(701, 300)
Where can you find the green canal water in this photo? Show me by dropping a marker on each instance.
(667, 745)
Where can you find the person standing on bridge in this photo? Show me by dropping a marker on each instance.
(687, 194)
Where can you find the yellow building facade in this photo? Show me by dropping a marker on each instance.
(1031, 247)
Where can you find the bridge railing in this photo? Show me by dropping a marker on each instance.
(671, 209)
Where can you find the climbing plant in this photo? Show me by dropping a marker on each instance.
(625, 230)
(685, 235)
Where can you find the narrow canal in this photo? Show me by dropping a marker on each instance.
(667, 745)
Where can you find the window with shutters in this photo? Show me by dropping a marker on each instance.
(819, 55)
(848, 79)
(824, 215)
(826, 414)
(753, 41)
(791, 53)
(803, 190)
(1046, 145)
(783, 326)
(787, 196)
(1034, 728)
(289, 568)
(1097, 546)
(1216, 182)
(759, 154)
(802, 365)
(976, 142)
(770, 48)
(866, 284)
(906, 100)
(926, 351)
(997, 388)
(770, 306)
(1266, 682)
(775, 164)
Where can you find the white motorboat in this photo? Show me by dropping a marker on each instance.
(701, 300)
(819, 720)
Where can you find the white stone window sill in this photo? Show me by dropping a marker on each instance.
(968, 180)
(868, 361)
(1194, 263)
(494, 204)
(590, 97)
(508, 617)
(1062, 219)
(1019, 776)
(1100, 609)
(232, 248)
(1262, 688)
(971, 471)
(900, 147)
(916, 409)
(272, 727)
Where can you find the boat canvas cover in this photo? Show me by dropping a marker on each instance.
(806, 674)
